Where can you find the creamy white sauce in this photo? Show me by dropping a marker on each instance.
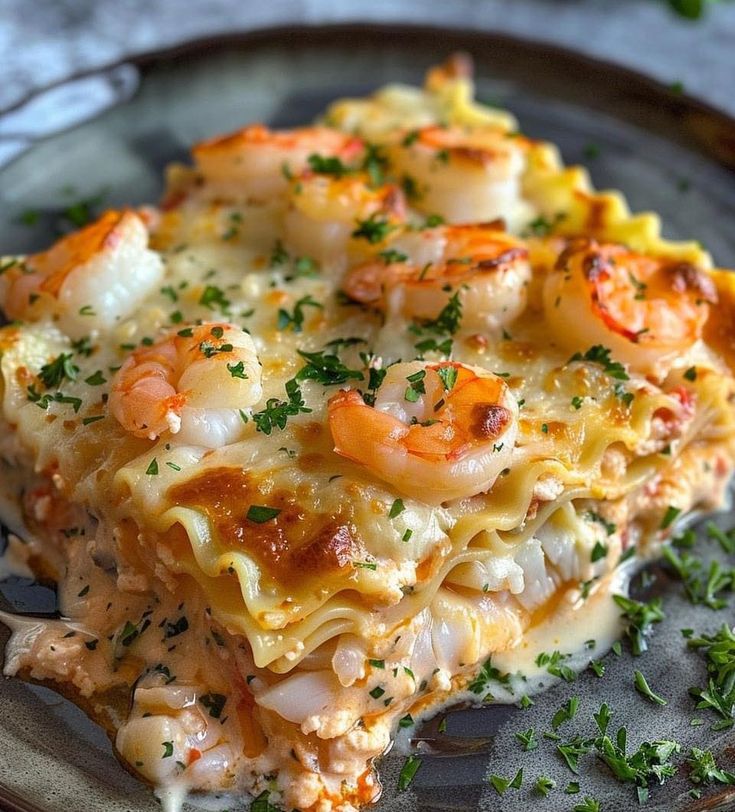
(571, 629)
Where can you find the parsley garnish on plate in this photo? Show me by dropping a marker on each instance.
(565, 713)
(640, 617)
(641, 685)
(704, 769)
(408, 772)
(528, 739)
(718, 694)
(502, 785)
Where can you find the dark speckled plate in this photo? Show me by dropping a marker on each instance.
(667, 152)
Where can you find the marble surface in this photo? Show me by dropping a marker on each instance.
(49, 40)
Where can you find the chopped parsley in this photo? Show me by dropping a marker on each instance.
(544, 785)
(587, 805)
(304, 267)
(598, 668)
(602, 718)
(277, 412)
(375, 163)
(214, 703)
(542, 226)
(502, 785)
(433, 220)
(528, 739)
(53, 374)
(152, 469)
(601, 355)
(375, 229)
(262, 803)
(295, 320)
(704, 769)
(726, 539)
(391, 255)
(43, 401)
(446, 323)
(327, 165)
(641, 685)
(566, 713)
(408, 771)
(610, 527)
(410, 138)
(326, 369)
(555, 665)
(485, 676)
(396, 509)
(365, 565)
(670, 516)
(415, 386)
(640, 617)
(213, 298)
(573, 750)
(719, 693)
(623, 394)
(448, 377)
(96, 379)
(651, 761)
(131, 632)
(237, 370)
(701, 587)
(279, 255)
(261, 513)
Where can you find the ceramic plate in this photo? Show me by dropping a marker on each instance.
(667, 152)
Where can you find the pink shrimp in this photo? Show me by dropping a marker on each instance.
(436, 431)
(487, 267)
(192, 384)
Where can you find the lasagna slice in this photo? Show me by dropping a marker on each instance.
(361, 411)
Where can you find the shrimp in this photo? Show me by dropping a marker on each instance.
(436, 431)
(487, 267)
(647, 310)
(325, 211)
(463, 174)
(192, 384)
(88, 280)
(257, 163)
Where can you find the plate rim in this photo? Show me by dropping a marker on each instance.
(708, 129)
